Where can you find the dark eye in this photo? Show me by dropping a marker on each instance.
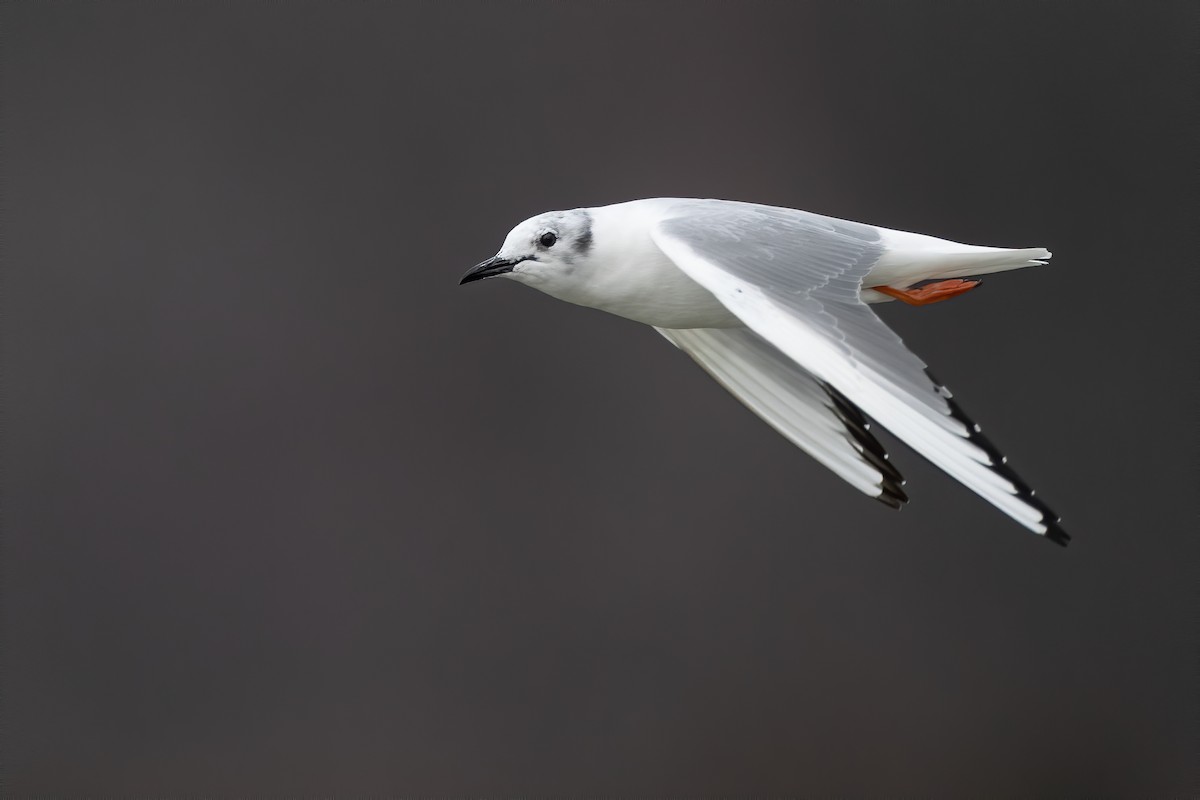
(548, 239)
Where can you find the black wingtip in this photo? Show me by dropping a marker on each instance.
(892, 495)
(869, 448)
(1056, 534)
(892, 500)
(1054, 531)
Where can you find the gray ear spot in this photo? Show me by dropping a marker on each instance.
(583, 242)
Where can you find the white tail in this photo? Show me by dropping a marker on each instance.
(986, 261)
(909, 258)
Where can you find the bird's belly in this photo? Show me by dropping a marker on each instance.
(661, 312)
(667, 299)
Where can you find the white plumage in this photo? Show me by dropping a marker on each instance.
(772, 302)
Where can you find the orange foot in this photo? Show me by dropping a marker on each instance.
(930, 292)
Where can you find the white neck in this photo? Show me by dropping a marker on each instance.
(628, 275)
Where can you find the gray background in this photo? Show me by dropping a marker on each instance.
(288, 511)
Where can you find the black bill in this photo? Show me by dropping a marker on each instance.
(489, 269)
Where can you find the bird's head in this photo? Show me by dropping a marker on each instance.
(546, 252)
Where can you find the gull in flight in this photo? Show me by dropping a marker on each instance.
(773, 303)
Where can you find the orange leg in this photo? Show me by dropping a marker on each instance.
(930, 292)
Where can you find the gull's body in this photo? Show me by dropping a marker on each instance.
(772, 302)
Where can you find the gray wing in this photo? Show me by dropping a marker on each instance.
(796, 279)
(814, 417)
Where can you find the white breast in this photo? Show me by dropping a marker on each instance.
(631, 277)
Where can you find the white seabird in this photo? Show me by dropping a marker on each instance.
(772, 302)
